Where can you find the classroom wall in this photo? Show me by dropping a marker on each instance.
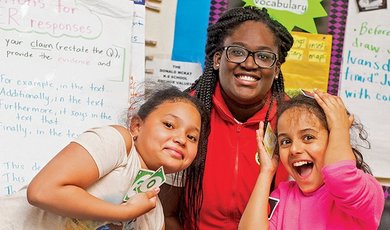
(336, 25)
(108, 59)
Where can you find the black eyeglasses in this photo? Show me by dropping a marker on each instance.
(238, 54)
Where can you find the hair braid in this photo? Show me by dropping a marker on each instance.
(204, 87)
(207, 86)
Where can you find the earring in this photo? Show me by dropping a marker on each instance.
(217, 65)
(135, 138)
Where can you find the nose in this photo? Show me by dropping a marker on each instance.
(296, 148)
(250, 63)
(180, 138)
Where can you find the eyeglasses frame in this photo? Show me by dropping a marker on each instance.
(251, 53)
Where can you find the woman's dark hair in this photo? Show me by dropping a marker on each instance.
(204, 87)
(359, 136)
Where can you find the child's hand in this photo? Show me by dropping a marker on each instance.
(339, 122)
(255, 215)
(268, 164)
(335, 111)
(141, 203)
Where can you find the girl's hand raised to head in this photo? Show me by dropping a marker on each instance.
(268, 163)
(335, 111)
(339, 122)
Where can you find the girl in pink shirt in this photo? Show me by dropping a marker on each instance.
(333, 187)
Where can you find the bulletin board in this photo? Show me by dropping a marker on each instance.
(365, 79)
(307, 62)
(61, 72)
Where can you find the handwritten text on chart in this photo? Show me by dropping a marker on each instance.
(13, 172)
(62, 52)
(62, 72)
(56, 18)
(39, 106)
(368, 75)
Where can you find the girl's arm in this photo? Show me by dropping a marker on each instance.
(357, 193)
(255, 215)
(60, 187)
(339, 123)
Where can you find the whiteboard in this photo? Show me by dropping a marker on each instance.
(64, 68)
(365, 80)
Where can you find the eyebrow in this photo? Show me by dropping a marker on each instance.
(281, 135)
(301, 131)
(178, 118)
(260, 48)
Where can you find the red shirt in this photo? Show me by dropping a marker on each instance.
(230, 170)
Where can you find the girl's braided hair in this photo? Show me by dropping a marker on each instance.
(204, 87)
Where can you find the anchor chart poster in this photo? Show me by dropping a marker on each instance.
(64, 68)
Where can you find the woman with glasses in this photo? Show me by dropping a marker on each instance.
(242, 84)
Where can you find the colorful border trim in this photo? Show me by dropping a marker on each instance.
(338, 11)
(217, 7)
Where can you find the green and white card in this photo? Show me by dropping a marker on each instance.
(153, 181)
(147, 180)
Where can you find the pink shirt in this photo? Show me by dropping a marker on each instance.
(349, 199)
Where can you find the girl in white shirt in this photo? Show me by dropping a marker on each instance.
(84, 185)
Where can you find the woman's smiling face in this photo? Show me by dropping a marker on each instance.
(302, 141)
(247, 83)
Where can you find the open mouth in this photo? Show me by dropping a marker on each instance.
(303, 168)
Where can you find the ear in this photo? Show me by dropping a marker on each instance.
(217, 60)
(135, 125)
(277, 69)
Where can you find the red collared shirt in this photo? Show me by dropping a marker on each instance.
(231, 170)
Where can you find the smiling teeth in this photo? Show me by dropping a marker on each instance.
(247, 78)
(300, 163)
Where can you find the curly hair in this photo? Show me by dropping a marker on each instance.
(359, 136)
